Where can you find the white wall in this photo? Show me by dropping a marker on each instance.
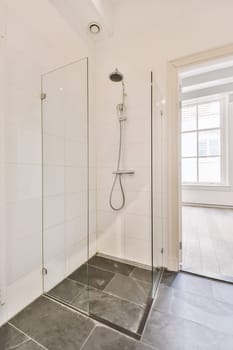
(147, 35)
(37, 40)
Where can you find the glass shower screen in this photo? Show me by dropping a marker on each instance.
(114, 283)
(65, 178)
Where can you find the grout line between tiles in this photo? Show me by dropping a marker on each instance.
(78, 294)
(100, 268)
(113, 295)
(88, 337)
(131, 273)
(129, 301)
(66, 300)
(28, 336)
(66, 305)
(109, 282)
(118, 273)
(17, 345)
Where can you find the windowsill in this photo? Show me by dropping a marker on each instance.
(205, 187)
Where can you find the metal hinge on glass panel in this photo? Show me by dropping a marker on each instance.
(161, 250)
(44, 271)
(42, 96)
(180, 245)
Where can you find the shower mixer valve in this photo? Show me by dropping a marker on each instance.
(121, 111)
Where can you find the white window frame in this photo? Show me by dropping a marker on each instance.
(224, 103)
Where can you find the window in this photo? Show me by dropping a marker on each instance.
(202, 142)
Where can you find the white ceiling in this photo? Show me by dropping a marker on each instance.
(79, 13)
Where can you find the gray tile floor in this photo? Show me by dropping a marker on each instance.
(208, 241)
(190, 313)
(114, 291)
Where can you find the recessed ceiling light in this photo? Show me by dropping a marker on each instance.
(94, 28)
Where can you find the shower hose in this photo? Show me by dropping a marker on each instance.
(118, 177)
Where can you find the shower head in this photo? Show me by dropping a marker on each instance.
(116, 76)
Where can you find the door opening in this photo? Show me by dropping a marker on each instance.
(206, 168)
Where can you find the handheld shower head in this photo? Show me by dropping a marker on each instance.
(116, 76)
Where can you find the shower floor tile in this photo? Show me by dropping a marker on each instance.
(113, 291)
(67, 290)
(108, 307)
(142, 274)
(111, 265)
(11, 337)
(130, 289)
(53, 325)
(92, 276)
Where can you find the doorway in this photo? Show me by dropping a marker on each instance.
(206, 158)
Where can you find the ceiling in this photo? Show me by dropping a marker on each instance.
(80, 13)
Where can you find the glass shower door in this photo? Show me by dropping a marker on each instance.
(65, 179)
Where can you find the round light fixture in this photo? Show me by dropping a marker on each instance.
(94, 28)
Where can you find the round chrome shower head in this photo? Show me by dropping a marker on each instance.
(116, 76)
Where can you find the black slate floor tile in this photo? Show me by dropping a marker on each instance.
(53, 326)
(105, 339)
(142, 274)
(203, 310)
(168, 332)
(10, 337)
(111, 265)
(188, 283)
(120, 312)
(130, 289)
(92, 276)
(67, 290)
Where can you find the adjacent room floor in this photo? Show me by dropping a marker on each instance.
(208, 241)
(189, 313)
(112, 290)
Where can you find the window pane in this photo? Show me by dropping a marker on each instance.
(209, 115)
(189, 144)
(209, 143)
(189, 170)
(189, 118)
(210, 170)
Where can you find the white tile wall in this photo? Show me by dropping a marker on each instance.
(28, 54)
(127, 233)
(53, 210)
(23, 182)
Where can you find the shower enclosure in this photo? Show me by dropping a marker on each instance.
(79, 268)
